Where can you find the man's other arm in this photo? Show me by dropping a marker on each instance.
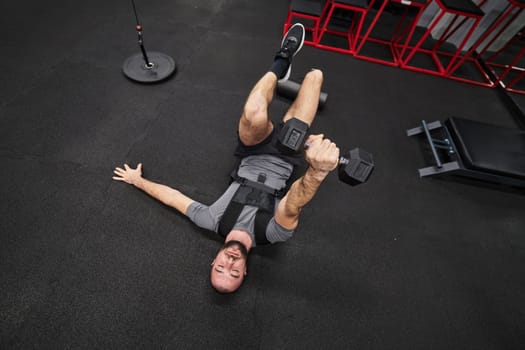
(167, 195)
(322, 157)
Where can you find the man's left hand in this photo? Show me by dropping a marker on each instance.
(128, 174)
(322, 154)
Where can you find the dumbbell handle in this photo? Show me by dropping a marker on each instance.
(342, 160)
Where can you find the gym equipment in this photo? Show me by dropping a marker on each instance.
(461, 18)
(289, 90)
(293, 135)
(473, 149)
(349, 17)
(146, 67)
(354, 167)
(395, 39)
(309, 13)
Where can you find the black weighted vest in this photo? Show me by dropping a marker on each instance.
(252, 193)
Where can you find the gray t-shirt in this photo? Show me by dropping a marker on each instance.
(277, 171)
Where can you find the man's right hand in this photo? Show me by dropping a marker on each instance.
(128, 174)
(322, 154)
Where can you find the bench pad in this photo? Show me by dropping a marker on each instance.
(489, 148)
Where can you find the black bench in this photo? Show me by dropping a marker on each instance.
(473, 149)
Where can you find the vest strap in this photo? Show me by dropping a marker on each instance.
(255, 194)
(259, 185)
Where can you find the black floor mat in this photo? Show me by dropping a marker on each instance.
(399, 262)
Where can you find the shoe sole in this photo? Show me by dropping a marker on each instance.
(302, 41)
(289, 71)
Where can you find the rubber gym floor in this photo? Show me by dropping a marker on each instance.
(88, 263)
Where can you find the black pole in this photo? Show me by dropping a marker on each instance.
(140, 39)
(142, 49)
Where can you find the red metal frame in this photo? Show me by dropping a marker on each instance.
(510, 14)
(434, 52)
(315, 19)
(403, 52)
(353, 32)
(398, 35)
(510, 67)
(510, 86)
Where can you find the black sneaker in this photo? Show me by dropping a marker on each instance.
(292, 43)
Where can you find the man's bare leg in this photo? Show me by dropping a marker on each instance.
(305, 105)
(255, 124)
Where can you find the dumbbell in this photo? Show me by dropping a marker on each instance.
(354, 167)
(289, 89)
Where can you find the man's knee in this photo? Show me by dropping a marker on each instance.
(255, 108)
(315, 76)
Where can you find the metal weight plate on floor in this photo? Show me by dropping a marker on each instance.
(135, 68)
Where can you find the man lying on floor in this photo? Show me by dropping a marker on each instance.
(252, 211)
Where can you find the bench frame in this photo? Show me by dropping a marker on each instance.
(454, 165)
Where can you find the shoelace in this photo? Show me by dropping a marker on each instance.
(290, 42)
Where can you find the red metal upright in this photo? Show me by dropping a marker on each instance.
(507, 63)
(443, 60)
(356, 10)
(402, 32)
(476, 51)
(309, 13)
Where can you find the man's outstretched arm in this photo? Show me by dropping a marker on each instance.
(322, 157)
(163, 193)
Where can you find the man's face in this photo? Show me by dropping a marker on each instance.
(229, 267)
